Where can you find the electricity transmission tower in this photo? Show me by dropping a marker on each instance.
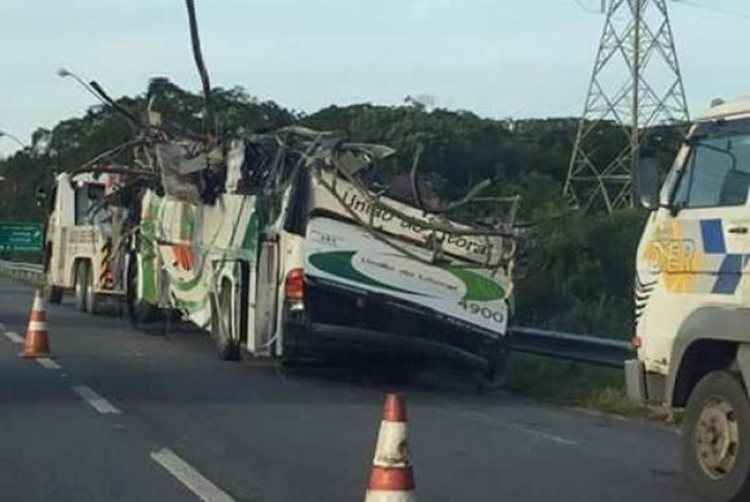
(636, 85)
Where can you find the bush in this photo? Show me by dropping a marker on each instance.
(579, 274)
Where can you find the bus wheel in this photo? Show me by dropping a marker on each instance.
(222, 327)
(716, 438)
(495, 377)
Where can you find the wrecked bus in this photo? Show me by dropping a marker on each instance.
(277, 246)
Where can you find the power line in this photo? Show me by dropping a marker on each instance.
(589, 9)
(687, 3)
(720, 10)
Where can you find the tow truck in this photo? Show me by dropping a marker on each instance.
(81, 241)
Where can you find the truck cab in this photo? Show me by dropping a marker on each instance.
(692, 299)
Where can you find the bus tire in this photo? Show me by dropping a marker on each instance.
(495, 377)
(716, 438)
(227, 341)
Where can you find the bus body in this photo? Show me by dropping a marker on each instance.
(316, 264)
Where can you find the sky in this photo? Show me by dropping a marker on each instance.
(497, 58)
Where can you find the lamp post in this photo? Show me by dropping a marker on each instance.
(65, 73)
(14, 138)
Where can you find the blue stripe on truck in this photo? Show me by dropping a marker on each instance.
(730, 274)
(713, 237)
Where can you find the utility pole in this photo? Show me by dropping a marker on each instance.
(636, 84)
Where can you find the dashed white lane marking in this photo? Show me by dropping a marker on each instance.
(544, 435)
(13, 337)
(48, 363)
(520, 428)
(188, 476)
(95, 400)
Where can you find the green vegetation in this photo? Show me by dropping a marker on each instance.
(573, 384)
(579, 278)
(580, 386)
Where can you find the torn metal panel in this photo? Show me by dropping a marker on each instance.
(178, 184)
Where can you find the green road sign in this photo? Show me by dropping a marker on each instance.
(20, 236)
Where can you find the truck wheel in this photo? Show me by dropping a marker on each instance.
(716, 439)
(54, 295)
(227, 341)
(82, 285)
(92, 299)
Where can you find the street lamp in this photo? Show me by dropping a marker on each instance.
(14, 138)
(64, 73)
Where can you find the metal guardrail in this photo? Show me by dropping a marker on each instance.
(554, 344)
(24, 271)
(587, 349)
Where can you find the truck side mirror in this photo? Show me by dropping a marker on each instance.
(646, 183)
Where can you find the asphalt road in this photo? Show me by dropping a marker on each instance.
(128, 415)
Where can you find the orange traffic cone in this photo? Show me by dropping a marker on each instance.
(37, 343)
(391, 478)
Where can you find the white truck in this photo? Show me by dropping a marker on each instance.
(692, 299)
(79, 244)
(279, 249)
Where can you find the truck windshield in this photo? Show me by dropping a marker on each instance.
(717, 170)
(87, 197)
